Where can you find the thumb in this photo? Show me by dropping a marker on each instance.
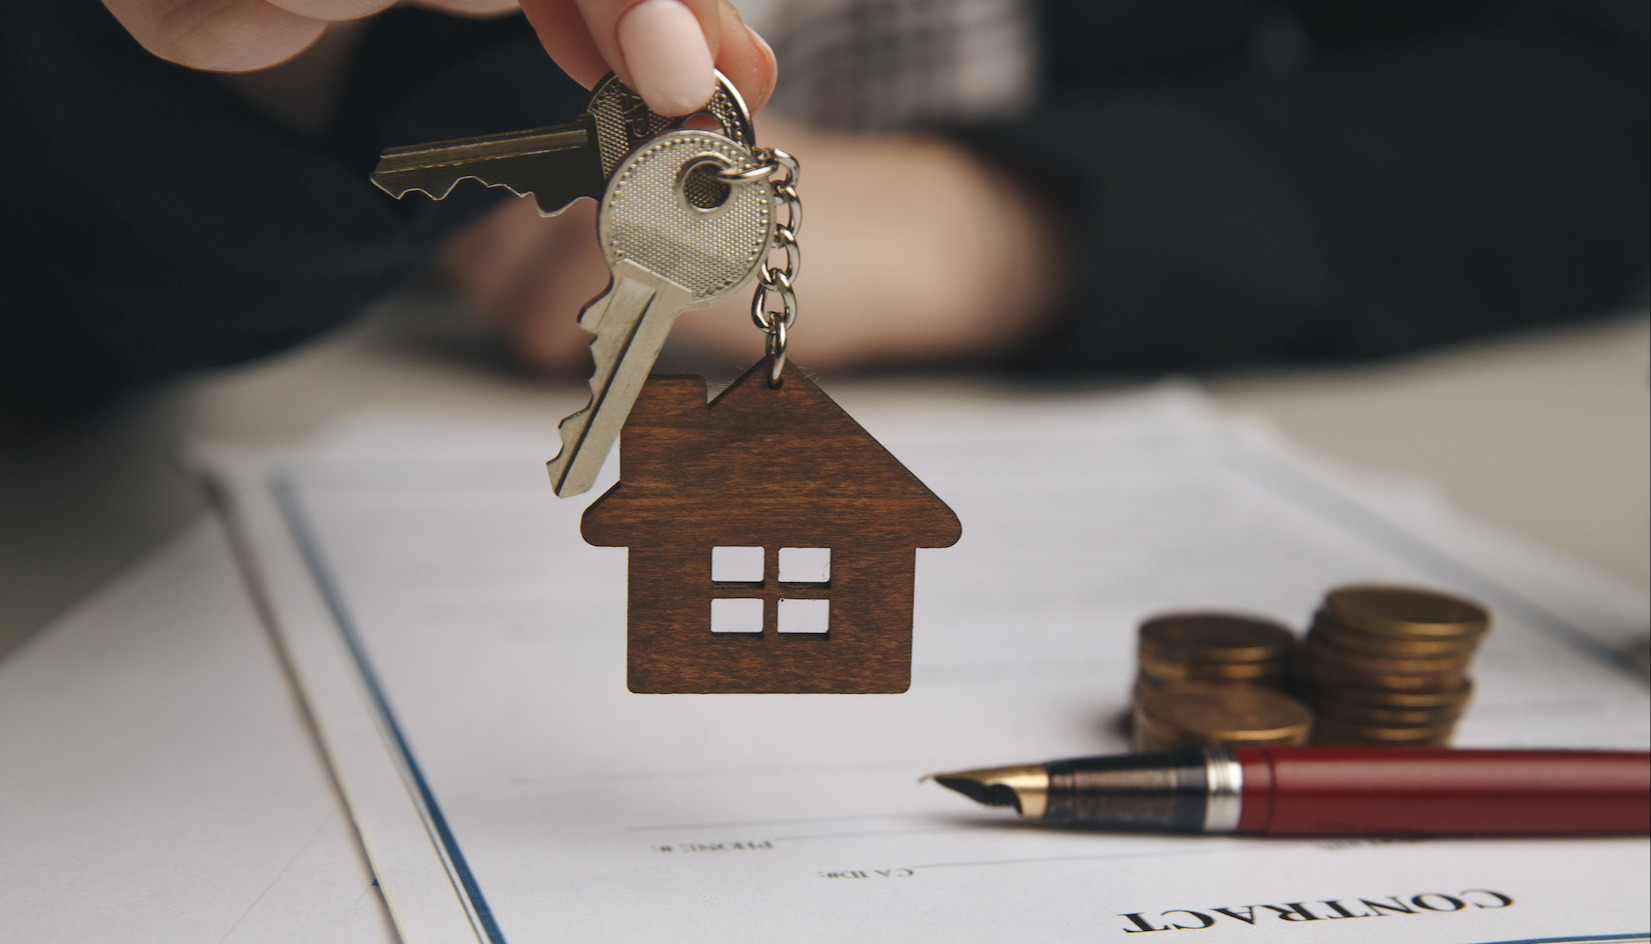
(664, 49)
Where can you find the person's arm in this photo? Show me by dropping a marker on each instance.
(664, 49)
(168, 219)
(163, 225)
(1425, 173)
(913, 251)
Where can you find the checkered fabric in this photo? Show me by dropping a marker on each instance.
(885, 64)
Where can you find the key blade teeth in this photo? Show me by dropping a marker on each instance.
(562, 478)
(397, 184)
(625, 346)
(437, 189)
(551, 206)
(557, 165)
(574, 430)
(391, 183)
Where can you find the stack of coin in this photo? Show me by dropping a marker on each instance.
(1213, 680)
(1215, 714)
(1388, 665)
(1212, 647)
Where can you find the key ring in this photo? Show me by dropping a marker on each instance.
(774, 305)
(776, 354)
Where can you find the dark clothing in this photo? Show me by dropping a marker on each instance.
(1403, 173)
(1238, 182)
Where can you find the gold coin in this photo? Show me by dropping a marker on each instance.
(1332, 710)
(1175, 671)
(1457, 694)
(1329, 675)
(1349, 740)
(1331, 731)
(1329, 628)
(1145, 683)
(1142, 744)
(1322, 650)
(1403, 611)
(1146, 741)
(1213, 637)
(1147, 744)
(1147, 737)
(1210, 715)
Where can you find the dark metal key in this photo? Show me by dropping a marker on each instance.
(557, 165)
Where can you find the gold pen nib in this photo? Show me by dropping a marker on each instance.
(1026, 788)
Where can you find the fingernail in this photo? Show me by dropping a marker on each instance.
(756, 37)
(665, 51)
(773, 60)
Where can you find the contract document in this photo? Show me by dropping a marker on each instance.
(462, 652)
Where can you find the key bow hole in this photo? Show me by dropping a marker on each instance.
(702, 185)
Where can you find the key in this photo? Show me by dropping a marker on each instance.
(675, 238)
(557, 165)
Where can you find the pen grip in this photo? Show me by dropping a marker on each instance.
(1421, 792)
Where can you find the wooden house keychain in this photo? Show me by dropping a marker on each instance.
(771, 538)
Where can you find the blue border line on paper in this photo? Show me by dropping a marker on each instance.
(286, 499)
(1304, 488)
(1581, 939)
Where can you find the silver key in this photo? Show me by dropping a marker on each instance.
(675, 238)
(557, 165)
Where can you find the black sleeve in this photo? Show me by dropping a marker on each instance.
(1390, 175)
(159, 225)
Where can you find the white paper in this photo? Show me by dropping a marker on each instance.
(578, 811)
(158, 782)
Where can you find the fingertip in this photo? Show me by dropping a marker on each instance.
(668, 56)
(768, 70)
(747, 60)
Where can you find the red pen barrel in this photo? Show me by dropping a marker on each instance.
(1336, 791)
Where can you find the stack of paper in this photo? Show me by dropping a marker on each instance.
(462, 652)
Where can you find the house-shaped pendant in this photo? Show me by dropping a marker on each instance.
(772, 541)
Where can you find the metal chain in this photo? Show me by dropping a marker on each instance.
(774, 306)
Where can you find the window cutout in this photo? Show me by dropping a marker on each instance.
(736, 616)
(736, 564)
(804, 616)
(805, 564)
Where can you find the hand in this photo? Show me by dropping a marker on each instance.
(913, 251)
(664, 49)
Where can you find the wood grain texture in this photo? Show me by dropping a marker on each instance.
(770, 467)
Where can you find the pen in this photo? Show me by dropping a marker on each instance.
(1330, 791)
